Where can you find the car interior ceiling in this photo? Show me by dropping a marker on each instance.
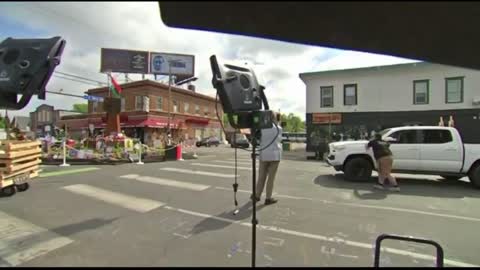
(438, 32)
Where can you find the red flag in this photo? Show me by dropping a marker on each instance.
(115, 84)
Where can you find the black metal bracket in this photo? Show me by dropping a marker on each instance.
(378, 242)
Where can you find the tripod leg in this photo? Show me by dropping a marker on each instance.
(254, 201)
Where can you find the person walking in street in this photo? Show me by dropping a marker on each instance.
(384, 158)
(269, 159)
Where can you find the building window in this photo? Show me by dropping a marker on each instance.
(197, 109)
(326, 96)
(94, 106)
(454, 90)
(175, 106)
(122, 104)
(160, 103)
(206, 112)
(421, 91)
(138, 103)
(350, 94)
(186, 107)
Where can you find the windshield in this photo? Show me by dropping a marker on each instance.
(131, 160)
(383, 132)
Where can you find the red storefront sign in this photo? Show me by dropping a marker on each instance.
(326, 118)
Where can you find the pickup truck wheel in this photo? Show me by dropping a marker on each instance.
(474, 176)
(358, 169)
(451, 177)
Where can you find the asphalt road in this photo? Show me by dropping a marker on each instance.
(180, 213)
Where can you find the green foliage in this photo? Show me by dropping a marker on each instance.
(80, 107)
(294, 123)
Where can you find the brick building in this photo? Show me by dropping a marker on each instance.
(144, 113)
(45, 119)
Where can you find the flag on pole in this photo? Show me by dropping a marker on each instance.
(115, 87)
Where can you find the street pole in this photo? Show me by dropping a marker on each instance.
(169, 94)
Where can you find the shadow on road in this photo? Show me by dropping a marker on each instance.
(440, 188)
(212, 224)
(86, 225)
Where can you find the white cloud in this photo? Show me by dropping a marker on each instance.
(87, 27)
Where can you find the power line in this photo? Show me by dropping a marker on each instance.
(64, 94)
(74, 80)
(79, 77)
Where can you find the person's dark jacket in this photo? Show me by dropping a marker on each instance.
(380, 148)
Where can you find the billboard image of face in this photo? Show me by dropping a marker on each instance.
(177, 64)
(157, 62)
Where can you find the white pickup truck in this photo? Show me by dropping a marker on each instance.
(428, 150)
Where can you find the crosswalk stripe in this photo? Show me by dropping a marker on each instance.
(232, 162)
(166, 182)
(119, 199)
(240, 159)
(22, 241)
(198, 172)
(221, 166)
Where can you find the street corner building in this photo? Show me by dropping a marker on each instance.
(352, 104)
(145, 115)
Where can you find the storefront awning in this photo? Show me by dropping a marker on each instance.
(125, 122)
(197, 121)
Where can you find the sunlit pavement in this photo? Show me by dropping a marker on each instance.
(180, 213)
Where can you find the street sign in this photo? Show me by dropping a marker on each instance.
(93, 98)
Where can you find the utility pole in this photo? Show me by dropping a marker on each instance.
(169, 94)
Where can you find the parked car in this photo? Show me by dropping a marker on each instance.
(298, 137)
(429, 150)
(240, 141)
(208, 142)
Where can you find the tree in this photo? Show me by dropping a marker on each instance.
(294, 123)
(80, 107)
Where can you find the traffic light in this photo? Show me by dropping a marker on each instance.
(26, 66)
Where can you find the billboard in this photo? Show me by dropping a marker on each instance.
(182, 65)
(124, 61)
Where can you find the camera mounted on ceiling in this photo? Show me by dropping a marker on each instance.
(26, 66)
(241, 96)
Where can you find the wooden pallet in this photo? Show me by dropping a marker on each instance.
(9, 182)
(14, 149)
(18, 157)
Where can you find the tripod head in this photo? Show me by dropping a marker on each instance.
(26, 66)
(241, 95)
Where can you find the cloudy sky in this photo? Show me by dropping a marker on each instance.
(87, 27)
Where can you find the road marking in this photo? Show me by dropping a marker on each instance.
(198, 172)
(22, 241)
(207, 156)
(233, 162)
(166, 182)
(63, 172)
(323, 238)
(276, 242)
(386, 208)
(126, 201)
(240, 159)
(221, 166)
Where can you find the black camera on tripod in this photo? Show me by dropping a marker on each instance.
(241, 96)
(26, 66)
